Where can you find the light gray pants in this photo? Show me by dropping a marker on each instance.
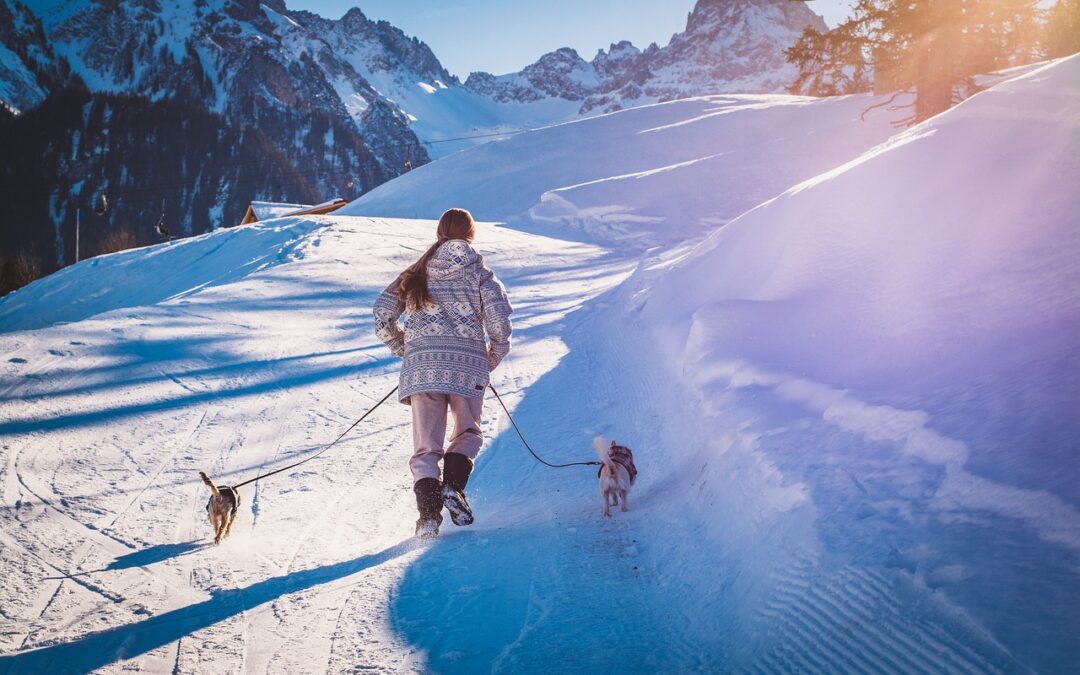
(429, 430)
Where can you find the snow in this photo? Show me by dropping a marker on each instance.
(328, 202)
(445, 118)
(683, 167)
(18, 86)
(844, 360)
(268, 210)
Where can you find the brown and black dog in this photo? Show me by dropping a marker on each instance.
(221, 508)
(617, 473)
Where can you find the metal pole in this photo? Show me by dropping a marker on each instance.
(78, 213)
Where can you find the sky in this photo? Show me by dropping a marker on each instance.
(503, 36)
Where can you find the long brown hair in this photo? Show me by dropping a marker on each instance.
(413, 289)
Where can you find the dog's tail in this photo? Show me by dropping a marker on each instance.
(206, 479)
(603, 449)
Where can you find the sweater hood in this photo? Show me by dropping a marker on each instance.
(454, 256)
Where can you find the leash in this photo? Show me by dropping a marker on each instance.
(529, 447)
(383, 400)
(308, 459)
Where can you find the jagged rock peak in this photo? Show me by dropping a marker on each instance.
(709, 16)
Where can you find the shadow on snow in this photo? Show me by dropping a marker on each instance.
(97, 650)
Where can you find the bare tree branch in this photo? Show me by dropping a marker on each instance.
(862, 117)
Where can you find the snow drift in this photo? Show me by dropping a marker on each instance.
(918, 308)
(880, 269)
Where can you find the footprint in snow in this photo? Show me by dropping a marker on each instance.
(16, 359)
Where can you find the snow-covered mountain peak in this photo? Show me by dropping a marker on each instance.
(727, 47)
(376, 46)
(711, 15)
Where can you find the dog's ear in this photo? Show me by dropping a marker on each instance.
(613, 444)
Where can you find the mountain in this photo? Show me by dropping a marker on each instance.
(245, 60)
(136, 154)
(29, 68)
(348, 103)
(270, 89)
(729, 46)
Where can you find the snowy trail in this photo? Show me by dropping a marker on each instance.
(321, 574)
(234, 378)
(713, 569)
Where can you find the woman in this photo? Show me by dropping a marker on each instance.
(449, 299)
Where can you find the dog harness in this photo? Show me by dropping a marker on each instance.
(225, 488)
(622, 455)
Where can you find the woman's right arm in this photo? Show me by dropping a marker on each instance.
(497, 311)
(388, 309)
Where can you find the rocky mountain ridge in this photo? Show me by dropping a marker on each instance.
(728, 46)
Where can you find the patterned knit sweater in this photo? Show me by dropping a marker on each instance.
(443, 344)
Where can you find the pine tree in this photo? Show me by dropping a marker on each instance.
(830, 64)
(932, 46)
(1063, 29)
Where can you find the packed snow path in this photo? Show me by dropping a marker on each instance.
(261, 353)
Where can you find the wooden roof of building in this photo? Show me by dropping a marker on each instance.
(257, 211)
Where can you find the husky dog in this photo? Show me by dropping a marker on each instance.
(617, 474)
(222, 508)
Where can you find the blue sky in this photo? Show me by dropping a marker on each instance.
(502, 36)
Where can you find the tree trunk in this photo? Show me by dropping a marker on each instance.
(935, 71)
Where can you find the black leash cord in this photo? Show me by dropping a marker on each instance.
(527, 446)
(308, 459)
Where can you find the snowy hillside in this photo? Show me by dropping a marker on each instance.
(900, 344)
(850, 405)
(665, 172)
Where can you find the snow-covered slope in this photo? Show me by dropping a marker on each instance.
(664, 172)
(898, 337)
(851, 409)
(445, 115)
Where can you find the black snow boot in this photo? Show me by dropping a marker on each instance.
(456, 470)
(429, 504)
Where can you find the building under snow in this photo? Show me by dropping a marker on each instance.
(257, 211)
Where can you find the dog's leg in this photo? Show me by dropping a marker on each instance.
(232, 519)
(212, 516)
(623, 492)
(607, 503)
